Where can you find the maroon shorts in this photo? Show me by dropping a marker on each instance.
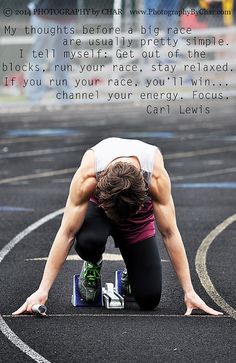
(135, 229)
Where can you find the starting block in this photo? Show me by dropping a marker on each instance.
(76, 299)
(109, 297)
(118, 285)
(119, 288)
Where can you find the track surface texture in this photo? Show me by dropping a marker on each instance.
(39, 153)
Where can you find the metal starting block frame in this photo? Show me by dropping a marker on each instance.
(109, 297)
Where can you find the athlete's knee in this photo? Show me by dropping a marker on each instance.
(148, 301)
(88, 247)
(83, 247)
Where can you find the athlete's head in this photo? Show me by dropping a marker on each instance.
(121, 190)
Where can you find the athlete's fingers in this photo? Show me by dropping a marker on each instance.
(210, 311)
(193, 301)
(188, 311)
(205, 308)
(21, 310)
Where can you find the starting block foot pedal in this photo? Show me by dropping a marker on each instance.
(76, 299)
(111, 298)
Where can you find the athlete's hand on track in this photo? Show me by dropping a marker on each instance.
(193, 301)
(38, 297)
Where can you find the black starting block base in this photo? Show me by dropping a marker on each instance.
(76, 299)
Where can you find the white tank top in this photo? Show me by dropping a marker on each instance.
(112, 148)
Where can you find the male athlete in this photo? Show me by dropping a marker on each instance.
(119, 190)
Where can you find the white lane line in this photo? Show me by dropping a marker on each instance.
(39, 175)
(112, 315)
(106, 257)
(20, 344)
(204, 174)
(72, 170)
(189, 154)
(186, 154)
(201, 266)
(24, 154)
(14, 140)
(4, 328)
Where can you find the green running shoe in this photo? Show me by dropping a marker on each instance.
(90, 281)
(126, 288)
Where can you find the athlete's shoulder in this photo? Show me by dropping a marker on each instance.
(88, 161)
(160, 181)
(86, 169)
(84, 182)
(158, 163)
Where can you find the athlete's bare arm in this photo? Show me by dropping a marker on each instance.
(82, 186)
(164, 210)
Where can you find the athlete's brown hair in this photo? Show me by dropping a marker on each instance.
(121, 190)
